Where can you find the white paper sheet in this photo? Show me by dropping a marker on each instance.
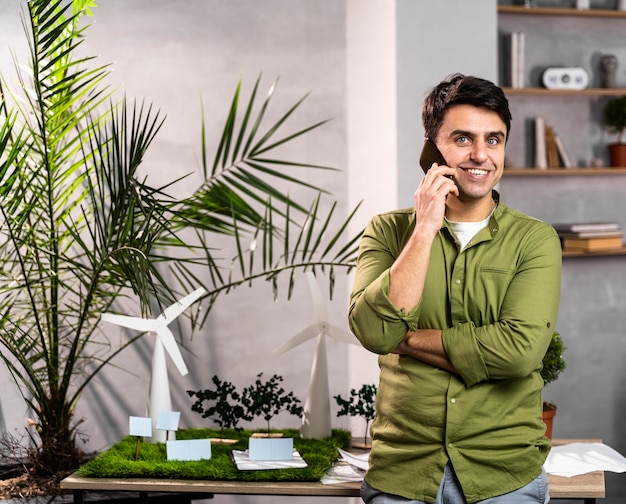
(580, 458)
(243, 462)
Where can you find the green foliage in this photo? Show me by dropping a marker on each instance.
(224, 413)
(81, 229)
(615, 116)
(268, 399)
(553, 362)
(361, 403)
(119, 461)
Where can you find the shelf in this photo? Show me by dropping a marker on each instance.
(537, 91)
(560, 172)
(604, 253)
(550, 11)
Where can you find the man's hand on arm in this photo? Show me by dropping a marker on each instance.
(426, 345)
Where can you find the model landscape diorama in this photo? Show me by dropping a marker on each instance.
(230, 452)
(262, 451)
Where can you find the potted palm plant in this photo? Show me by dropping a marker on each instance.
(79, 229)
(553, 366)
(615, 119)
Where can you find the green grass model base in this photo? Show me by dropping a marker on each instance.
(119, 461)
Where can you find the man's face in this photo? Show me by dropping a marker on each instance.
(472, 140)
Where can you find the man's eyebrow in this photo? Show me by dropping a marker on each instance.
(460, 132)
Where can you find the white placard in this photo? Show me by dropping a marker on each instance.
(189, 449)
(140, 426)
(168, 420)
(270, 448)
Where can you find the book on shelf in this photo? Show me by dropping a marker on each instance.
(596, 244)
(517, 64)
(541, 156)
(586, 227)
(591, 234)
(549, 148)
(566, 162)
(552, 153)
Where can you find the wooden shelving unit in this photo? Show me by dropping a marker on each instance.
(562, 172)
(543, 93)
(556, 11)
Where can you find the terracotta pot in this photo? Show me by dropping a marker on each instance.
(549, 410)
(617, 155)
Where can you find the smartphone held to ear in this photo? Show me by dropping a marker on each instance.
(431, 154)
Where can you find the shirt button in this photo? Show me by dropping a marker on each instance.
(457, 281)
(453, 400)
(450, 445)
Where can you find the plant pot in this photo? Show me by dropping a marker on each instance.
(617, 154)
(549, 411)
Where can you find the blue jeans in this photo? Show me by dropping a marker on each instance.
(450, 492)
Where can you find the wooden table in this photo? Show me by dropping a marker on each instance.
(586, 487)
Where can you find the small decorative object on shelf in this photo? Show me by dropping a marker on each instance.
(608, 70)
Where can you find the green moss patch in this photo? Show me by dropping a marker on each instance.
(119, 461)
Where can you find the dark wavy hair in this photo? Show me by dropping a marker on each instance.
(459, 89)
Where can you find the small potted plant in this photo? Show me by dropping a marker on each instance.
(553, 365)
(615, 119)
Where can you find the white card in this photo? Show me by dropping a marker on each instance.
(270, 448)
(140, 426)
(189, 449)
(168, 420)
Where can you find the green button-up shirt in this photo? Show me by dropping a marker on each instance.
(497, 303)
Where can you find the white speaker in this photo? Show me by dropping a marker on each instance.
(565, 78)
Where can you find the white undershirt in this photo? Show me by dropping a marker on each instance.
(465, 231)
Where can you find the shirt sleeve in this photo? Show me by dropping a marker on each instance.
(373, 318)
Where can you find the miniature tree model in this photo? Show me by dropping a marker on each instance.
(269, 399)
(363, 407)
(223, 412)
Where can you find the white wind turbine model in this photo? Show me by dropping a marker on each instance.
(316, 422)
(160, 399)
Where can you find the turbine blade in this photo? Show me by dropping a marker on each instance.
(341, 335)
(304, 335)
(318, 301)
(175, 309)
(169, 342)
(138, 323)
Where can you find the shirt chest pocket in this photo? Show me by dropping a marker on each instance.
(486, 291)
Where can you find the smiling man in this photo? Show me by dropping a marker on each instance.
(459, 295)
